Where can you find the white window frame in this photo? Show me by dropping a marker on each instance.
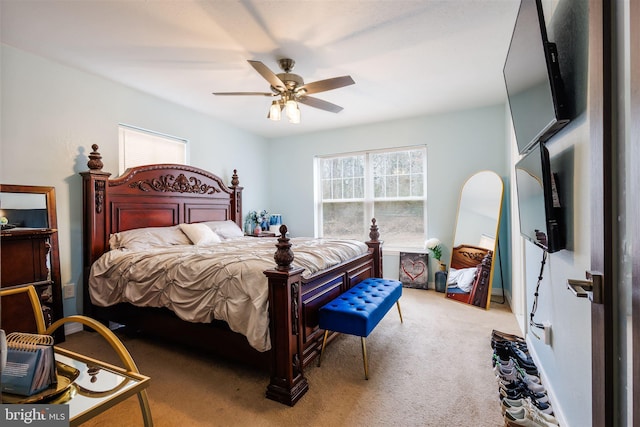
(369, 199)
(139, 146)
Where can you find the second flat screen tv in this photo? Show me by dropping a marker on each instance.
(532, 78)
(540, 211)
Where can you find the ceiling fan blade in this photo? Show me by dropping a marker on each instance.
(319, 103)
(244, 93)
(268, 75)
(328, 84)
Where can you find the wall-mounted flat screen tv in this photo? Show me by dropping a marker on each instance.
(532, 78)
(539, 207)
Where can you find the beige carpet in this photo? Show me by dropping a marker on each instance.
(432, 370)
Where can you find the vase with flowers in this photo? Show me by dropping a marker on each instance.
(263, 219)
(255, 219)
(435, 248)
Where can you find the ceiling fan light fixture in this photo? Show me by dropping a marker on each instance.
(292, 88)
(291, 107)
(295, 115)
(275, 111)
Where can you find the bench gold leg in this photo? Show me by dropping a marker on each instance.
(324, 343)
(364, 357)
(399, 312)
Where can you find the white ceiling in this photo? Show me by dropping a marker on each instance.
(408, 58)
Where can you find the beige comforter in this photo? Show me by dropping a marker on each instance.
(223, 281)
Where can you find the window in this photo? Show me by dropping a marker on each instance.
(142, 147)
(387, 185)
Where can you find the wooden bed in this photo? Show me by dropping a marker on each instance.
(468, 256)
(165, 195)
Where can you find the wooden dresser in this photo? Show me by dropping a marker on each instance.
(24, 256)
(25, 260)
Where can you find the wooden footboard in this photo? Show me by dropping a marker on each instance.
(480, 290)
(164, 195)
(293, 308)
(465, 256)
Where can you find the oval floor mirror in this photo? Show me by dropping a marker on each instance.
(471, 266)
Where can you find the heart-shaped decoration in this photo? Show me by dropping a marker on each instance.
(413, 269)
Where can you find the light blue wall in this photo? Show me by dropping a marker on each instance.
(565, 364)
(458, 145)
(52, 114)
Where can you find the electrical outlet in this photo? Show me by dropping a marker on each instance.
(69, 290)
(547, 333)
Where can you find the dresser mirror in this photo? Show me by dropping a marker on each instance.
(29, 244)
(473, 259)
(24, 210)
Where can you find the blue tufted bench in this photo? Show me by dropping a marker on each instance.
(358, 310)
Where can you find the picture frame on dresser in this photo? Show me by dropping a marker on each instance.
(29, 244)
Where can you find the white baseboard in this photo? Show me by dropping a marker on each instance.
(72, 328)
(557, 410)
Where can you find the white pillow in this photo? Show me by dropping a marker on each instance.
(149, 237)
(200, 234)
(462, 278)
(225, 229)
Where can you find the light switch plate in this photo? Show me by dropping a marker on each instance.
(69, 290)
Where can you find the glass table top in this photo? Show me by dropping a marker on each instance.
(97, 385)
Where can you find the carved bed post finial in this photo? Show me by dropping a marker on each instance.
(488, 259)
(375, 246)
(374, 234)
(236, 199)
(95, 162)
(284, 254)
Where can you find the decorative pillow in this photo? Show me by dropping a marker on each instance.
(225, 229)
(200, 234)
(150, 237)
(462, 278)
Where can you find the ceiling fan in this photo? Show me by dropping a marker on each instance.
(291, 89)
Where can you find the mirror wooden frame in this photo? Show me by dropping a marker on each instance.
(54, 250)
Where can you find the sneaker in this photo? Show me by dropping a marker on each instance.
(542, 407)
(503, 336)
(534, 387)
(511, 363)
(509, 349)
(523, 393)
(509, 346)
(523, 417)
(498, 337)
(510, 372)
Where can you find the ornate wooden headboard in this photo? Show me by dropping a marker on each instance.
(466, 256)
(150, 196)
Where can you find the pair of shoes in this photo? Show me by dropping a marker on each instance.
(534, 387)
(524, 417)
(514, 404)
(498, 336)
(522, 392)
(522, 346)
(505, 359)
(509, 350)
(511, 378)
(518, 350)
(510, 371)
